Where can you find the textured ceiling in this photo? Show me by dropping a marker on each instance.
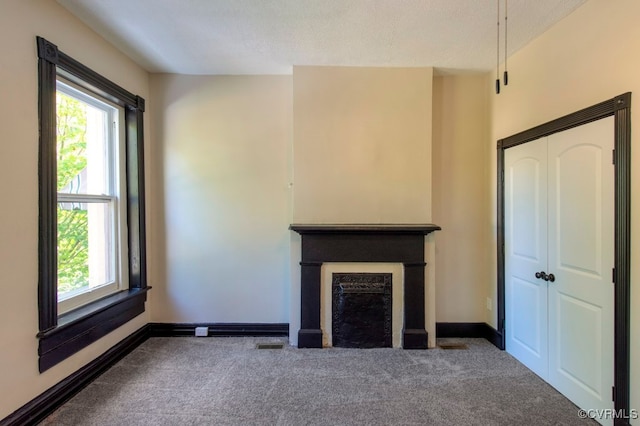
(270, 36)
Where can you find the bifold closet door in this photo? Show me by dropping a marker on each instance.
(581, 257)
(526, 298)
(559, 255)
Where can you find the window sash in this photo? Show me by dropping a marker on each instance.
(110, 165)
(64, 197)
(114, 137)
(108, 256)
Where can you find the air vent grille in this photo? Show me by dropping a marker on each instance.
(269, 346)
(453, 346)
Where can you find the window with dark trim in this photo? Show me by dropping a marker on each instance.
(60, 336)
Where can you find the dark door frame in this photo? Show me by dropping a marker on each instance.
(620, 108)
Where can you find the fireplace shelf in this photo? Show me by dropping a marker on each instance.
(379, 243)
(418, 229)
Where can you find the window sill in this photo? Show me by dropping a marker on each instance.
(79, 328)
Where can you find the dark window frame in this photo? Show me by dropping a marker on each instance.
(62, 336)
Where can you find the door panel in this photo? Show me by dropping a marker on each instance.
(581, 256)
(526, 300)
(526, 254)
(578, 237)
(584, 370)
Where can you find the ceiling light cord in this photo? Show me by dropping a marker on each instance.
(498, 51)
(506, 73)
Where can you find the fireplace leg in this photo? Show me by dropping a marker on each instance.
(414, 335)
(310, 334)
(414, 338)
(310, 338)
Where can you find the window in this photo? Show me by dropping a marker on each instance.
(91, 214)
(92, 275)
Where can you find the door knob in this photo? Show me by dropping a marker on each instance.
(542, 275)
(550, 277)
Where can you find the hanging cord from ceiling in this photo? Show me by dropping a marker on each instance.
(506, 73)
(498, 50)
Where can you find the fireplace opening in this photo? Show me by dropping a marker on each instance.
(361, 310)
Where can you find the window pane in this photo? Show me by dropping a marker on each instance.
(85, 247)
(82, 146)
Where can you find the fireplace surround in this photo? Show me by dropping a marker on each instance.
(399, 243)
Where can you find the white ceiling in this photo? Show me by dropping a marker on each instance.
(270, 36)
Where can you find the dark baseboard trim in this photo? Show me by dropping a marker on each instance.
(218, 329)
(494, 336)
(46, 403)
(480, 330)
(460, 329)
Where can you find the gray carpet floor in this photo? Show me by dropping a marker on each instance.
(227, 381)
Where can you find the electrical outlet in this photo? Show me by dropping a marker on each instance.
(489, 303)
(202, 331)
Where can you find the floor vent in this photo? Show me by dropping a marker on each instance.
(453, 346)
(269, 346)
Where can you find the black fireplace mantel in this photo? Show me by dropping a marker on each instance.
(420, 229)
(379, 243)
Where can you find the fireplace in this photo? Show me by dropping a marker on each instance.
(363, 243)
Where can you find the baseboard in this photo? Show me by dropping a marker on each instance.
(495, 337)
(480, 330)
(219, 329)
(46, 403)
(461, 329)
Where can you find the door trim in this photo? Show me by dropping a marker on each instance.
(620, 108)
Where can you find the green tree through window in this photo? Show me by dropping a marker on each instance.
(73, 232)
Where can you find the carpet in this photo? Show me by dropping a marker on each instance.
(228, 381)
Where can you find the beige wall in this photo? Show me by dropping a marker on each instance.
(362, 151)
(20, 22)
(362, 154)
(223, 179)
(587, 58)
(460, 196)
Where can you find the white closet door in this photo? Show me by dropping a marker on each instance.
(526, 254)
(581, 257)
